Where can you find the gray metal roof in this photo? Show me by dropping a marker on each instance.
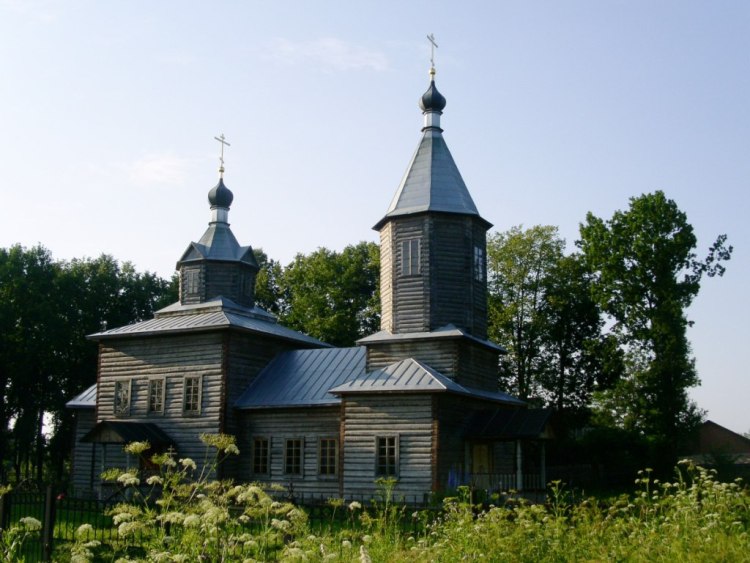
(84, 400)
(303, 378)
(218, 243)
(432, 182)
(447, 331)
(121, 432)
(218, 313)
(412, 376)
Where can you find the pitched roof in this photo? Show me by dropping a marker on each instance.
(303, 378)
(218, 243)
(499, 424)
(447, 331)
(121, 432)
(217, 313)
(412, 376)
(84, 400)
(432, 182)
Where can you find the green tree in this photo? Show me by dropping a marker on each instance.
(519, 264)
(645, 275)
(333, 296)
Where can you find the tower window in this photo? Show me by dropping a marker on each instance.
(260, 456)
(410, 254)
(192, 282)
(479, 263)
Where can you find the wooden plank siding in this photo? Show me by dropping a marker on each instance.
(477, 366)
(439, 354)
(86, 462)
(308, 424)
(409, 417)
(171, 358)
(247, 355)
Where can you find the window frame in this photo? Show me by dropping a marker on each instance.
(480, 269)
(266, 458)
(119, 385)
(192, 281)
(301, 457)
(160, 383)
(394, 470)
(322, 458)
(411, 265)
(185, 410)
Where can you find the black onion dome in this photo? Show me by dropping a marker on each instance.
(220, 195)
(432, 100)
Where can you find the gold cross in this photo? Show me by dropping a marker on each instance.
(431, 39)
(223, 142)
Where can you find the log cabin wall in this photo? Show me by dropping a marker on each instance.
(440, 354)
(409, 419)
(477, 366)
(310, 425)
(168, 358)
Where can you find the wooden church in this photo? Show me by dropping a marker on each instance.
(417, 402)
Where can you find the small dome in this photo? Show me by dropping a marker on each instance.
(432, 100)
(220, 195)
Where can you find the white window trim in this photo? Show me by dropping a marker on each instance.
(163, 381)
(186, 412)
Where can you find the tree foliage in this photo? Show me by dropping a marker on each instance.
(541, 310)
(46, 310)
(333, 296)
(646, 273)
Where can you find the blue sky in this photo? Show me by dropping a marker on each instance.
(108, 112)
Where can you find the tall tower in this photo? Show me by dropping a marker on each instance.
(217, 265)
(433, 285)
(433, 241)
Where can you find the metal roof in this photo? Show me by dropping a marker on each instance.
(120, 432)
(218, 313)
(432, 182)
(447, 331)
(502, 424)
(412, 376)
(303, 378)
(218, 243)
(84, 400)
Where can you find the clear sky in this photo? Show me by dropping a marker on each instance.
(108, 112)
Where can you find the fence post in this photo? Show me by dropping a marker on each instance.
(48, 526)
(4, 511)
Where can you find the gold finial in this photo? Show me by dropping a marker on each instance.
(433, 46)
(223, 142)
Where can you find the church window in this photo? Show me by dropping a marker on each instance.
(479, 263)
(293, 456)
(191, 404)
(410, 257)
(386, 452)
(260, 456)
(122, 398)
(192, 282)
(156, 396)
(327, 457)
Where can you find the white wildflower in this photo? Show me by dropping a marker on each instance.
(128, 480)
(154, 480)
(31, 524)
(346, 544)
(84, 530)
(231, 449)
(191, 521)
(354, 505)
(137, 448)
(188, 463)
(364, 557)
